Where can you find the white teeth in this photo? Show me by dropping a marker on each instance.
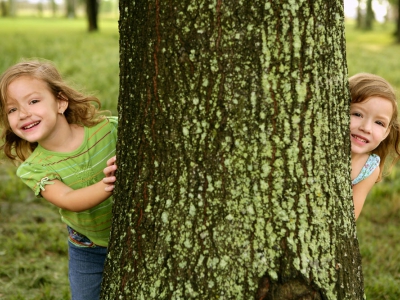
(31, 125)
(360, 139)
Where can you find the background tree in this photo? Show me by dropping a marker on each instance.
(365, 16)
(359, 18)
(92, 10)
(8, 8)
(369, 16)
(233, 153)
(70, 8)
(396, 4)
(53, 6)
(4, 8)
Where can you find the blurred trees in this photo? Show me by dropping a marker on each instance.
(7, 7)
(4, 8)
(233, 153)
(396, 4)
(398, 22)
(396, 12)
(365, 17)
(70, 6)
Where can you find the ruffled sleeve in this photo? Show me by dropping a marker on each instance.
(36, 176)
(369, 167)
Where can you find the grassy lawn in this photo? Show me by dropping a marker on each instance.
(33, 245)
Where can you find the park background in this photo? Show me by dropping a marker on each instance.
(33, 245)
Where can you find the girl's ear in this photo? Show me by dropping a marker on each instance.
(62, 103)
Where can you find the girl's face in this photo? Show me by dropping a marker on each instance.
(369, 124)
(32, 110)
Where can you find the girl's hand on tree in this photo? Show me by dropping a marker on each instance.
(109, 172)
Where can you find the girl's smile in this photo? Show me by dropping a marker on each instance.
(31, 125)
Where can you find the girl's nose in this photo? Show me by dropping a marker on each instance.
(365, 126)
(24, 113)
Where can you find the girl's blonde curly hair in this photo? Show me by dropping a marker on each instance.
(82, 109)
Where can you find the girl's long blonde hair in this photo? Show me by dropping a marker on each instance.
(364, 86)
(82, 109)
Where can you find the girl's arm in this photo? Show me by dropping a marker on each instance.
(361, 190)
(82, 199)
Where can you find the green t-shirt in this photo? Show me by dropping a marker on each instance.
(77, 169)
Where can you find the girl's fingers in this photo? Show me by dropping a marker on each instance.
(109, 188)
(110, 170)
(111, 161)
(109, 180)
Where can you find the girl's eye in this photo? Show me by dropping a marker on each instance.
(11, 110)
(356, 114)
(34, 101)
(380, 123)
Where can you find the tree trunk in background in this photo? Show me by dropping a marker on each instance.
(53, 7)
(4, 8)
(398, 22)
(359, 20)
(12, 8)
(40, 8)
(70, 5)
(92, 9)
(369, 17)
(233, 153)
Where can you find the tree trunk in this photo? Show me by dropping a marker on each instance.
(12, 8)
(53, 7)
(359, 20)
(233, 153)
(4, 8)
(70, 6)
(92, 8)
(398, 22)
(370, 16)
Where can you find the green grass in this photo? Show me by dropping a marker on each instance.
(33, 246)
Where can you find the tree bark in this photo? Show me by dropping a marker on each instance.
(233, 153)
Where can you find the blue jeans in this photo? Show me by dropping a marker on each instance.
(86, 265)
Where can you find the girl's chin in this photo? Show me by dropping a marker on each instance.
(357, 150)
